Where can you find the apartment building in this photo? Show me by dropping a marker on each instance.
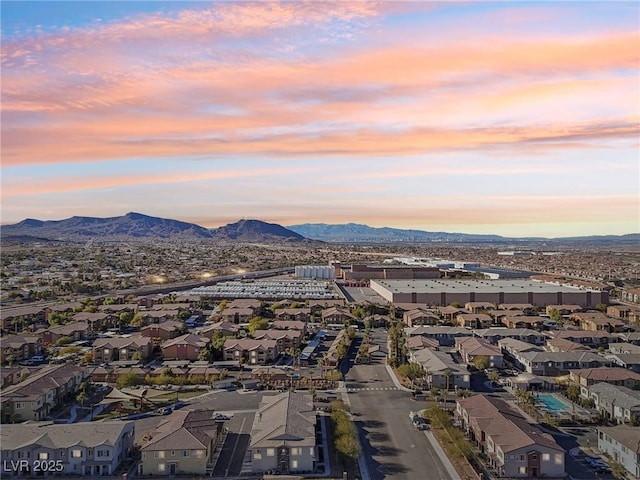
(15, 348)
(107, 350)
(285, 339)
(16, 319)
(613, 375)
(564, 345)
(616, 403)
(163, 330)
(183, 444)
(184, 347)
(474, 320)
(75, 331)
(86, 450)
(630, 361)
(622, 443)
(592, 339)
(473, 347)
(515, 448)
(227, 329)
(446, 336)
(523, 334)
(283, 435)
(41, 392)
(416, 317)
(251, 351)
(597, 321)
(302, 314)
(442, 370)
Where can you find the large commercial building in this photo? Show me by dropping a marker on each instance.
(367, 272)
(327, 272)
(445, 292)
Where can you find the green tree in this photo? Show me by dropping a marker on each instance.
(481, 362)
(128, 379)
(573, 391)
(555, 315)
(81, 398)
(493, 376)
(257, 323)
(618, 470)
(64, 340)
(348, 446)
(602, 307)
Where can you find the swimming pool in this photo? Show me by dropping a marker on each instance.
(552, 403)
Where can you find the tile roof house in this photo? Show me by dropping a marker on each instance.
(474, 320)
(441, 369)
(19, 347)
(87, 450)
(597, 321)
(522, 322)
(473, 347)
(416, 317)
(622, 443)
(251, 351)
(559, 363)
(630, 361)
(227, 329)
(290, 325)
(564, 345)
(36, 396)
(163, 330)
(591, 338)
(619, 404)
(524, 334)
(76, 331)
(516, 449)
(284, 338)
(184, 347)
(283, 435)
(446, 336)
(183, 444)
(613, 375)
(302, 314)
(106, 350)
(16, 319)
(337, 315)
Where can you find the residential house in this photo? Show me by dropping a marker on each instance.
(183, 444)
(106, 350)
(446, 336)
(478, 307)
(563, 309)
(513, 348)
(45, 389)
(623, 311)
(87, 450)
(624, 347)
(613, 375)
(630, 337)
(418, 316)
(252, 303)
(597, 321)
(526, 308)
(97, 321)
(337, 315)
(630, 361)
(559, 363)
(237, 315)
(301, 314)
(251, 351)
(523, 334)
(592, 339)
(474, 320)
(450, 313)
(523, 322)
(15, 348)
(162, 331)
(515, 448)
(17, 319)
(622, 444)
(283, 437)
(615, 403)
(285, 339)
(564, 345)
(290, 325)
(317, 306)
(630, 295)
(441, 369)
(472, 347)
(75, 331)
(418, 342)
(226, 329)
(184, 347)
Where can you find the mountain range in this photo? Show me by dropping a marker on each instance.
(138, 226)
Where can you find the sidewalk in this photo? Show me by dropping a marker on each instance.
(395, 380)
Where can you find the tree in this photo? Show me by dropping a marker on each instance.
(88, 357)
(573, 391)
(555, 315)
(81, 398)
(618, 470)
(602, 307)
(128, 379)
(481, 362)
(257, 323)
(64, 340)
(348, 446)
(493, 376)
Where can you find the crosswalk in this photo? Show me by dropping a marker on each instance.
(359, 389)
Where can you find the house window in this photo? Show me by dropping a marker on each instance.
(76, 453)
(521, 458)
(312, 451)
(43, 456)
(18, 406)
(200, 454)
(158, 454)
(294, 463)
(522, 470)
(62, 452)
(296, 451)
(559, 459)
(546, 457)
(161, 467)
(186, 453)
(257, 455)
(271, 452)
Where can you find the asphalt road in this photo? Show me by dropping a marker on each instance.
(391, 446)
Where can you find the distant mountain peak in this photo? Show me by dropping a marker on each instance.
(252, 230)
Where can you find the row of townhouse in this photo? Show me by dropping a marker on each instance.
(41, 392)
(553, 364)
(597, 321)
(622, 444)
(447, 336)
(615, 403)
(612, 375)
(515, 448)
(87, 450)
(442, 371)
(183, 444)
(472, 347)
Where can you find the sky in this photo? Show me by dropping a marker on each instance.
(518, 119)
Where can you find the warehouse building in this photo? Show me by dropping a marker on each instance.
(445, 292)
